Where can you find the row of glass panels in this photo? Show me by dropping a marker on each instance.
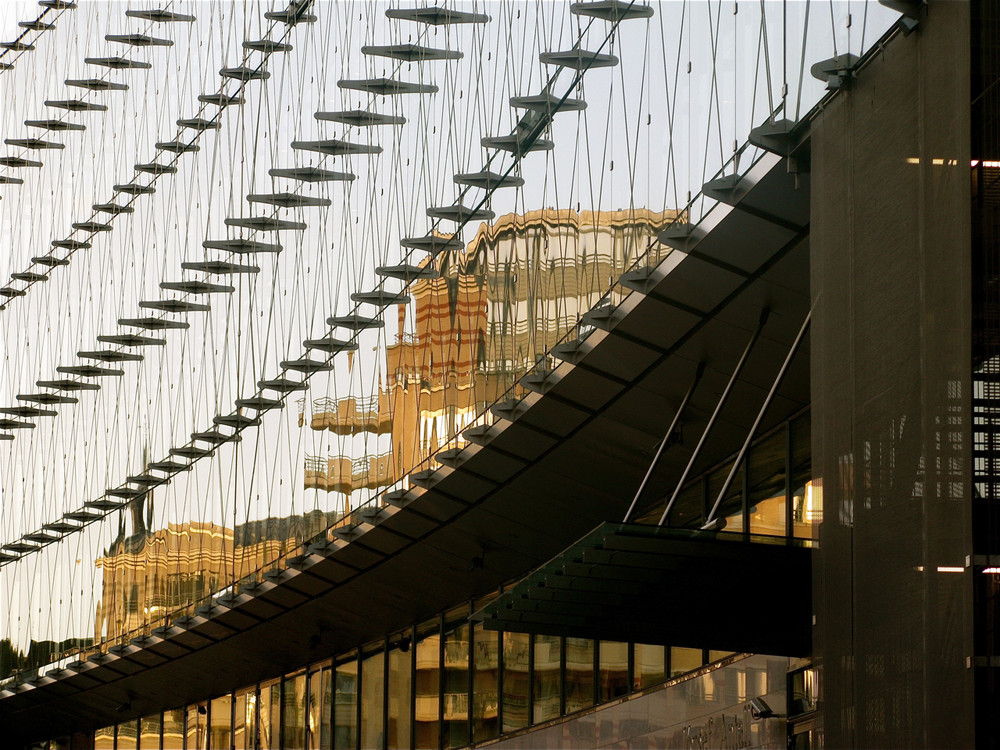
(443, 684)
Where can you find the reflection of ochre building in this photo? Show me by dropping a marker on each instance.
(151, 574)
(496, 307)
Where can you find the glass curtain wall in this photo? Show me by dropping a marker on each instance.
(517, 680)
(345, 706)
(399, 712)
(419, 689)
(485, 684)
(457, 680)
(372, 694)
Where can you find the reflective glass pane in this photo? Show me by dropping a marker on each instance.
(486, 644)
(612, 673)
(456, 685)
(326, 722)
(732, 502)
(221, 717)
(197, 727)
(372, 696)
(579, 674)
(717, 655)
(547, 677)
(648, 663)
(294, 715)
(104, 739)
(245, 719)
(268, 715)
(684, 660)
(149, 732)
(516, 680)
(173, 729)
(400, 714)
(128, 735)
(767, 475)
(426, 718)
(807, 498)
(345, 733)
(319, 709)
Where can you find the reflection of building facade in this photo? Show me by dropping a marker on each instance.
(150, 574)
(491, 314)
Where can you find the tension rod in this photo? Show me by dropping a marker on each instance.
(718, 408)
(760, 417)
(666, 439)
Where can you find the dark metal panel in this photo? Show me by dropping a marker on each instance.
(891, 375)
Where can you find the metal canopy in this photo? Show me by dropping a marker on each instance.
(649, 584)
(557, 464)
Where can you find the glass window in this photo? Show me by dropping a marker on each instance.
(197, 727)
(245, 719)
(221, 717)
(579, 674)
(649, 662)
(767, 474)
(269, 715)
(718, 655)
(807, 500)
(400, 714)
(149, 732)
(318, 733)
(546, 676)
(516, 680)
(128, 735)
(345, 707)
(294, 715)
(104, 739)
(173, 729)
(456, 681)
(372, 696)
(732, 503)
(427, 690)
(486, 647)
(612, 675)
(683, 660)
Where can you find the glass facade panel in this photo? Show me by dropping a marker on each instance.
(173, 729)
(456, 683)
(546, 677)
(221, 718)
(732, 502)
(245, 720)
(400, 715)
(294, 715)
(485, 704)
(269, 715)
(516, 680)
(372, 697)
(684, 660)
(104, 739)
(648, 665)
(579, 674)
(345, 707)
(197, 727)
(149, 732)
(318, 735)
(717, 655)
(612, 674)
(807, 500)
(427, 691)
(767, 475)
(127, 736)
